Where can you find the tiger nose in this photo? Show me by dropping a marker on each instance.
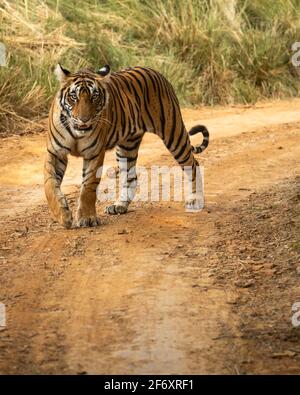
(84, 118)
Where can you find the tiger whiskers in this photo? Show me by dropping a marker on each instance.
(65, 123)
(105, 121)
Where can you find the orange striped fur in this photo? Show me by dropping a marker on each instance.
(93, 112)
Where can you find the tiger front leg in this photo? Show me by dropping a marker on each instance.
(54, 170)
(126, 156)
(86, 213)
(128, 181)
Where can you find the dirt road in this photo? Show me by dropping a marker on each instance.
(159, 290)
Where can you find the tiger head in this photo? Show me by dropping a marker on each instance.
(82, 97)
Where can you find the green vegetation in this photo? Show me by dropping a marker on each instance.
(212, 51)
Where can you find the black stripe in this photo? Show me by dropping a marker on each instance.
(136, 95)
(58, 142)
(56, 157)
(160, 93)
(131, 110)
(84, 174)
(134, 138)
(178, 155)
(90, 175)
(117, 89)
(182, 132)
(59, 174)
(92, 144)
(145, 85)
(112, 129)
(54, 127)
(93, 157)
(181, 162)
(171, 138)
(138, 81)
(125, 82)
(131, 179)
(135, 146)
(63, 119)
(147, 97)
(120, 101)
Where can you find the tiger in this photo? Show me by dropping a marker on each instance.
(95, 111)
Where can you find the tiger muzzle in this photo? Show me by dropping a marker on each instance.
(83, 126)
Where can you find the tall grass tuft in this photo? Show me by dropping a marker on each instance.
(213, 52)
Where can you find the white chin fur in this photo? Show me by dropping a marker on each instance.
(80, 133)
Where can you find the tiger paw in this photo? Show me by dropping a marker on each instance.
(65, 218)
(115, 209)
(194, 205)
(88, 221)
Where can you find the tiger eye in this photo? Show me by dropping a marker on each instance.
(95, 95)
(72, 97)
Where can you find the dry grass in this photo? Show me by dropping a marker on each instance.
(236, 51)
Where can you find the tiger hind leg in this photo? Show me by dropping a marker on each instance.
(182, 151)
(194, 200)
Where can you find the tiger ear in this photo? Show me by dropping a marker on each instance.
(104, 71)
(61, 73)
